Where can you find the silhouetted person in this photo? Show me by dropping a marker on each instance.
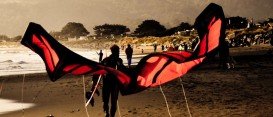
(185, 46)
(155, 47)
(162, 47)
(89, 93)
(226, 61)
(110, 82)
(129, 54)
(100, 55)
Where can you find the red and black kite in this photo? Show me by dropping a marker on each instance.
(152, 70)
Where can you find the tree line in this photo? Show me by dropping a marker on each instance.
(148, 28)
(145, 28)
(5, 38)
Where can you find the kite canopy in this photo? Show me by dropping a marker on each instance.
(207, 24)
(59, 60)
(152, 70)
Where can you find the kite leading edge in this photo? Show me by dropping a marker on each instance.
(152, 70)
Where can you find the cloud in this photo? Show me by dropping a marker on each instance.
(54, 14)
(10, 1)
(19, 2)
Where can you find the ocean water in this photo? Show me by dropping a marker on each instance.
(21, 60)
(15, 61)
(8, 106)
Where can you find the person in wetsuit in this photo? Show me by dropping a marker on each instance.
(110, 83)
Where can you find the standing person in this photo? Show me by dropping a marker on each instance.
(226, 61)
(95, 80)
(100, 56)
(110, 82)
(155, 47)
(185, 46)
(129, 54)
(162, 47)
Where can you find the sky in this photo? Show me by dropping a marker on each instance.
(55, 14)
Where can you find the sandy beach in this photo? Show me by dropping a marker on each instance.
(246, 90)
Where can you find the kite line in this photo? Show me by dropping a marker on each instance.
(117, 100)
(118, 109)
(22, 95)
(165, 101)
(185, 97)
(93, 91)
(39, 92)
(83, 83)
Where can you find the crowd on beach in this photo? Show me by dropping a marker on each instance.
(247, 40)
(238, 41)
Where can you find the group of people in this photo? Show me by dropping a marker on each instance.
(128, 52)
(110, 84)
(247, 40)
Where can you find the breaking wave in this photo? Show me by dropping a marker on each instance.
(6, 61)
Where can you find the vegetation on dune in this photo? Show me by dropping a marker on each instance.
(148, 32)
(149, 28)
(108, 30)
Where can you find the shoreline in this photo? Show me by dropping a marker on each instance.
(246, 90)
(234, 52)
(210, 92)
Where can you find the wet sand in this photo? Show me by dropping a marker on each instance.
(246, 90)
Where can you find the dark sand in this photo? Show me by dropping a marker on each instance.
(244, 91)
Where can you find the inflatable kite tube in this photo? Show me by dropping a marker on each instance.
(152, 70)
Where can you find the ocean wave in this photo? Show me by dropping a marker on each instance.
(12, 52)
(7, 61)
(22, 62)
(14, 67)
